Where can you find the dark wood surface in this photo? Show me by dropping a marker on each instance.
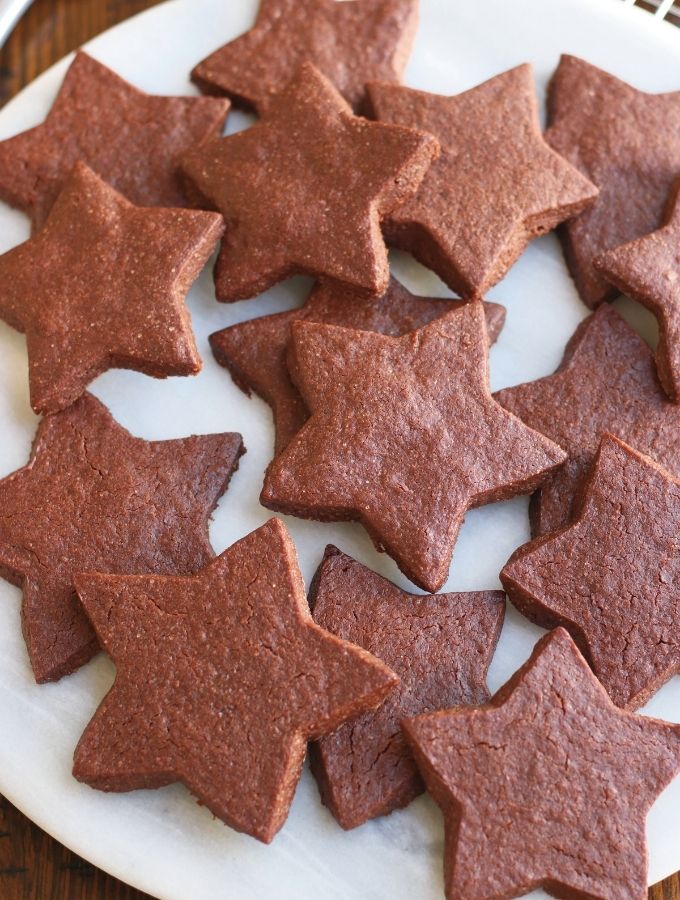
(33, 866)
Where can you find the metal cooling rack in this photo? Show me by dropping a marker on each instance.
(661, 9)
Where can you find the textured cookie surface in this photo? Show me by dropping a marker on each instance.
(606, 382)
(102, 285)
(547, 786)
(221, 679)
(611, 577)
(131, 139)
(95, 498)
(648, 270)
(351, 43)
(255, 350)
(439, 645)
(305, 189)
(496, 185)
(404, 436)
(628, 143)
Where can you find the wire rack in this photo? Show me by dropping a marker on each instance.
(662, 9)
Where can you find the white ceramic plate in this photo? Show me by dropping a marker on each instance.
(162, 841)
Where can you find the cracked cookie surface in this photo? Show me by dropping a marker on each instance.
(439, 645)
(221, 679)
(495, 186)
(549, 784)
(404, 436)
(95, 498)
(625, 141)
(611, 576)
(255, 351)
(130, 139)
(304, 191)
(606, 383)
(103, 285)
(648, 270)
(351, 43)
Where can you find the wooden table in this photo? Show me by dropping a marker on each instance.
(32, 865)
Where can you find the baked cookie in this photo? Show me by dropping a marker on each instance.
(496, 185)
(222, 677)
(255, 351)
(102, 285)
(611, 576)
(548, 786)
(440, 646)
(606, 382)
(625, 141)
(404, 436)
(305, 190)
(351, 43)
(648, 270)
(131, 139)
(95, 498)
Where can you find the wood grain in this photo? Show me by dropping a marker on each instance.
(33, 866)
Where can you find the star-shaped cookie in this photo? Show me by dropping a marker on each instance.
(131, 139)
(648, 270)
(222, 678)
(628, 143)
(439, 645)
(351, 43)
(611, 576)
(305, 190)
(95, 498)
(255, 351)
(496, 185)
(606, 382)
(548, 786)
(404, 436)
(102, 285)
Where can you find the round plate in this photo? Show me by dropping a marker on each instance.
(162, 841)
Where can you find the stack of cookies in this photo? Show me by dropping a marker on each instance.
(383, 415)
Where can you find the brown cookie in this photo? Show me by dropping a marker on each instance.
(222, 678)
(102, 285)
(305, 190)
(496, 185)
(606, 382)
(628, 143)
(548, 786)
(95, 498)
(440, 646)
(648, 270)
(129, 138)
(404, 436)
(351, 43)
(611, 576)
(255, 351)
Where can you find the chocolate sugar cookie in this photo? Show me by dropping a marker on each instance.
(95, 498)
(404, 436)
(626, 142)
(305, 190)
(351, 43)
(222, 678)
(102, 285)
(606, 382)
(440, 646)
(255, 351)
(611, 576)
(648, 270)
(496, 185)
(548, 786)
(129, 138)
